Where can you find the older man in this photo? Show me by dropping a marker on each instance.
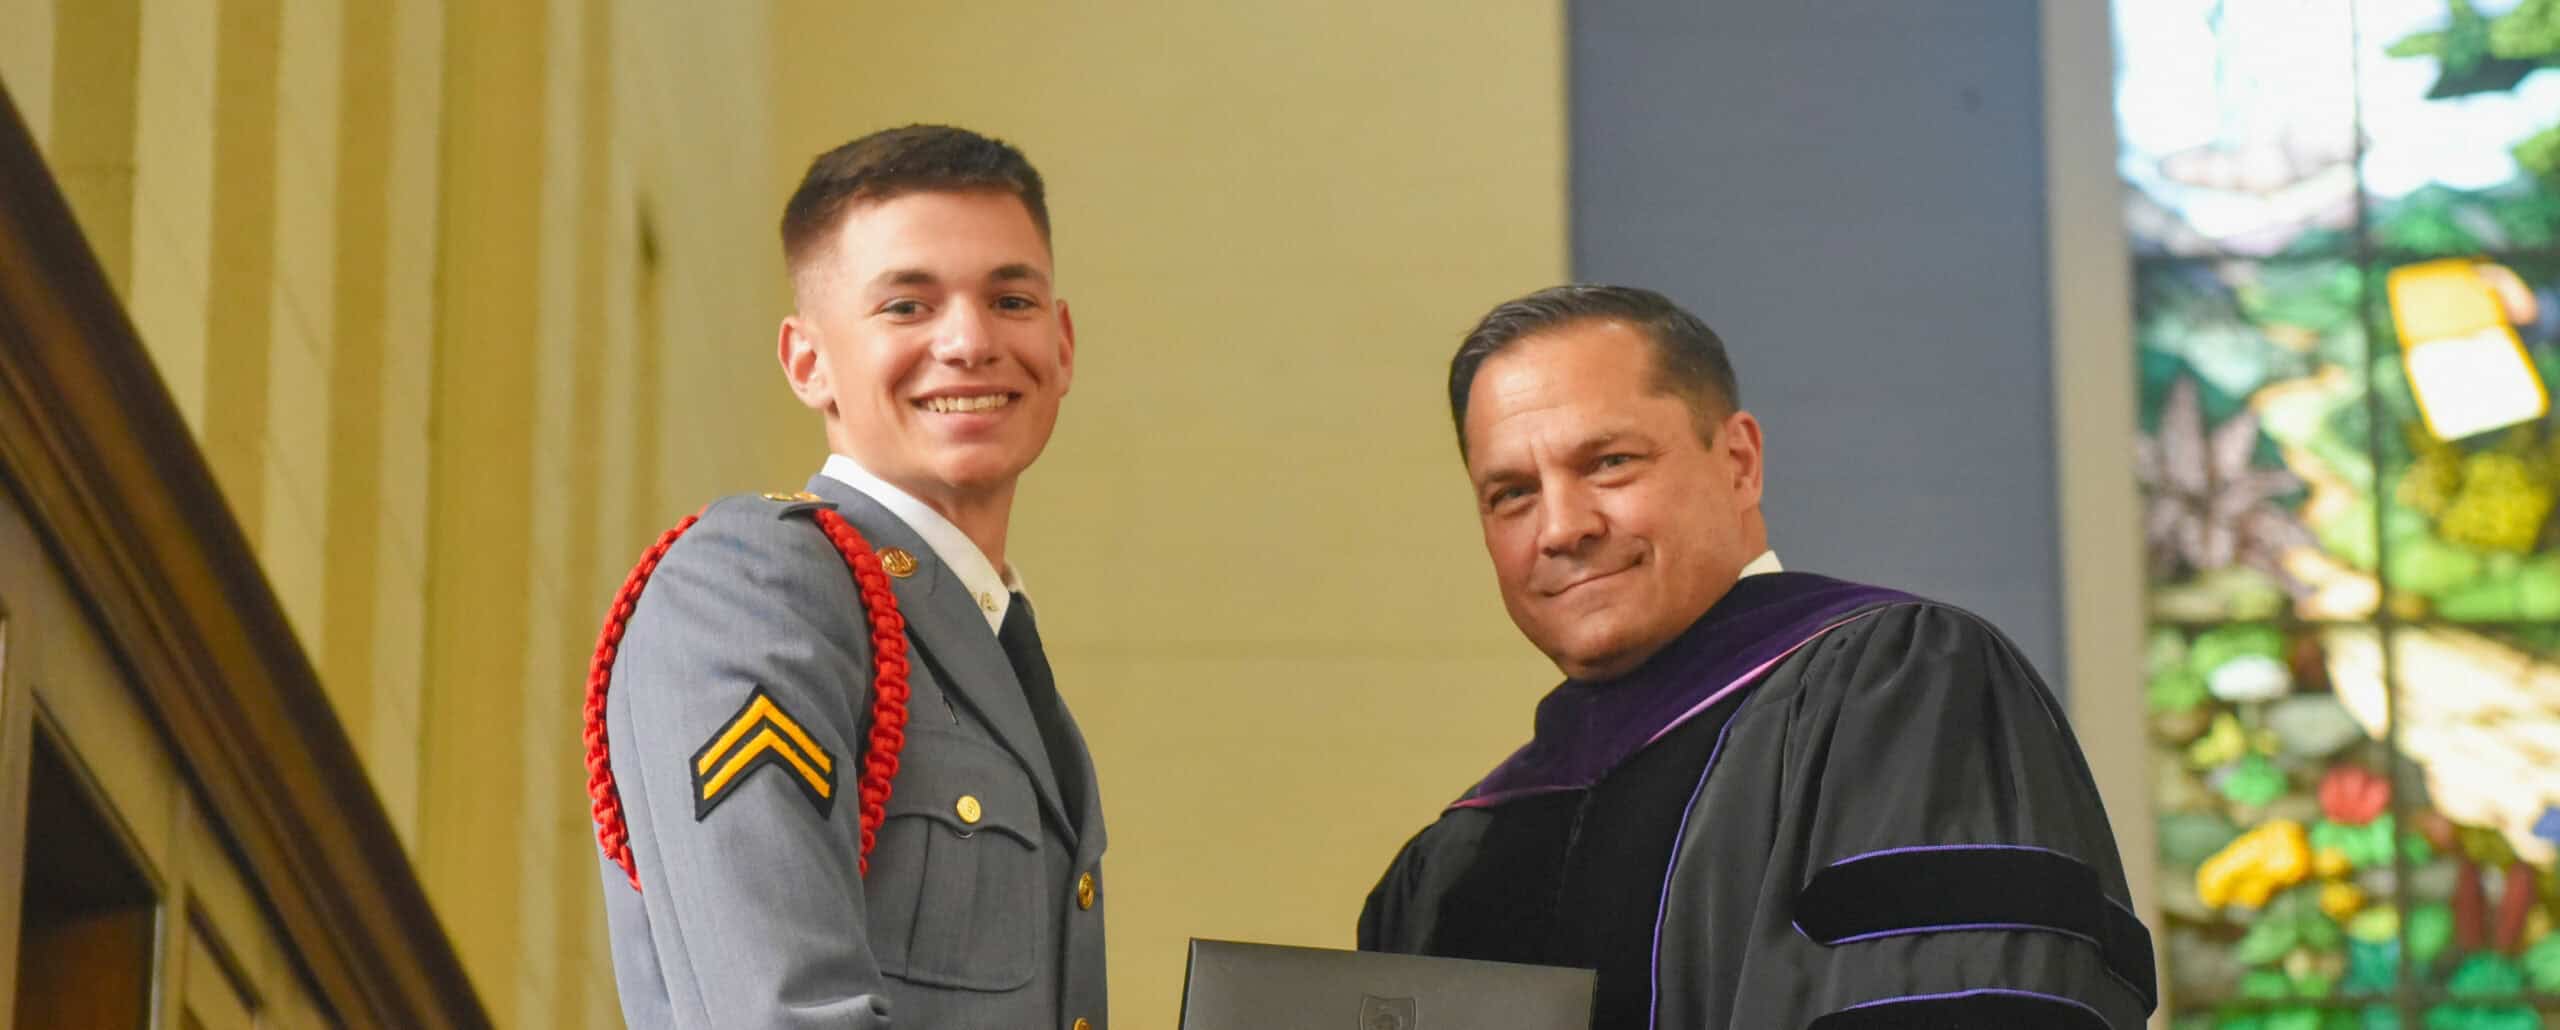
(1761, 798)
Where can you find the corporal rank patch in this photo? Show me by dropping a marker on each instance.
(761, 735)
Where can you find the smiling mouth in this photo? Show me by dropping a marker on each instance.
(1588, 580)
(968, 405)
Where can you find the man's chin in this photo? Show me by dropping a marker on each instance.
(1595, 657)
(977, 473)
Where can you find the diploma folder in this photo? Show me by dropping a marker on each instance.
(1236, 986)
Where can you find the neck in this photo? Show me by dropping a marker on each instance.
(981, 513)
(982, 518)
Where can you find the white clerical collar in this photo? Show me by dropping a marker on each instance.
(993, 590)
(1766, 563)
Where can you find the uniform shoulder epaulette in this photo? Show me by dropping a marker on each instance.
(797, 502)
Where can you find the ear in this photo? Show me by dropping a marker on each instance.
(1739, 441)
(803, 365)
(1066, 346)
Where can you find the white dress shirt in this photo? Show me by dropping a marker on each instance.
(1766, 563)
(994, 590)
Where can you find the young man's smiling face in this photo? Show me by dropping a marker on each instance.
(930, 336)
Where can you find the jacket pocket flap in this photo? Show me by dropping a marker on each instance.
(966, 784)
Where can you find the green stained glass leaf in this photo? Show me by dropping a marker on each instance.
(2486, 976)
(2188, 838)
(2421, 44)
(2428, 565)
(2321, 298)
(2266, 985)
(2294, 1019)
(2463, 58)
(2319, 933)
(2542, 964)
(2482, 1017)
(2372, 967)
(2176, 690)
(2347, 533)
(2254, 781)
(2540, 153)
(2430, 931)
(2530, 31)
(2314, 984)
(2268, 939)
(2416, 849)
(2220, 645)
(2365, 846)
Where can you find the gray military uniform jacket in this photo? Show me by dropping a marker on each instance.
(736, 715)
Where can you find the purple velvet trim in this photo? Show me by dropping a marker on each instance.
(1586, 729)
(1988, 927)
(1911, 931)
(1978, 992)
(1919, 848)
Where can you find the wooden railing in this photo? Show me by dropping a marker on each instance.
(96, 453)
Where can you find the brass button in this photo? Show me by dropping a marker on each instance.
(969, 809)
(1084, 1024)
(897, 562)
(986, 602)
(1084, 891)
(804, 497)
(778, 497)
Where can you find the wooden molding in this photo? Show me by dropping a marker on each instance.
(96, 452)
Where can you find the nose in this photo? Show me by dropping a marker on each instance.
(962, 339)
(1568, 521)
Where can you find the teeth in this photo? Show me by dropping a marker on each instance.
(954, 405)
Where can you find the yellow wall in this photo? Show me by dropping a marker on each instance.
(467, 299)
(1257, 567)
(389, 256)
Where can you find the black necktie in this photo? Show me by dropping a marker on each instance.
(1021, 639)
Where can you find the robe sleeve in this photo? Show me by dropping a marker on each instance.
(1936, 852)
(1400, 913)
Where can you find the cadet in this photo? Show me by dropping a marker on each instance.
(776, 667)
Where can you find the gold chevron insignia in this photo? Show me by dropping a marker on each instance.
(761, 735)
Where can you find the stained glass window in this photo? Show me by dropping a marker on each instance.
(2346, 223)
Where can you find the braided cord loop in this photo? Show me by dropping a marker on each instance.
(890, 690)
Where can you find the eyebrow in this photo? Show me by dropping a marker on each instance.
(1018, 272)
(1015, 272)
(1596, 442)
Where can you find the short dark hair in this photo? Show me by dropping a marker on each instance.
(908, 159)
(1689, 358)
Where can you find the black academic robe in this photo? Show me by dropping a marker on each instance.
(1824, 805)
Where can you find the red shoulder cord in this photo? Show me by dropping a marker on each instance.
(889, 689)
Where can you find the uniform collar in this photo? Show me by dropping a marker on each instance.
(1766, 563)
(994, 590)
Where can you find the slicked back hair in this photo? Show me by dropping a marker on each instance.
(1689, 359)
